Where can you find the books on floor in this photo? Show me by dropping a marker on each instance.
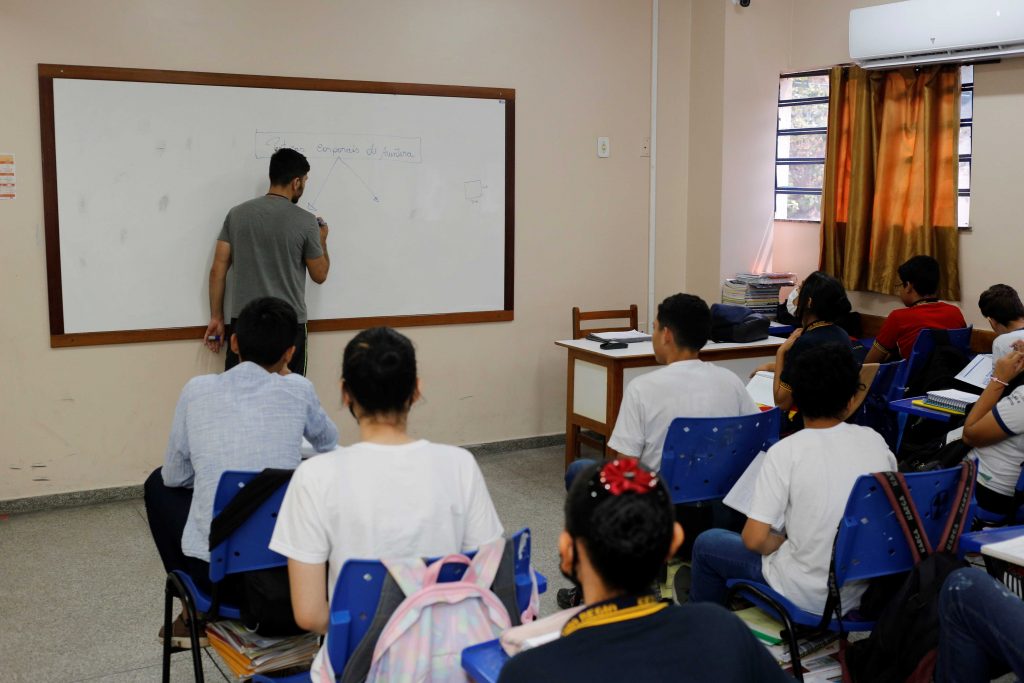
(247, 653)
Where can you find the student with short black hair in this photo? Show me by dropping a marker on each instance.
(821, 301)
(390, 495)
(1001, 305)
(620, 530)
(802, 487)
(918, 290)
(251, 417)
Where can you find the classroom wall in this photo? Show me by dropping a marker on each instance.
(84, 418)
(989, 253)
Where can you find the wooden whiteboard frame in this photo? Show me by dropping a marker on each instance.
(49, 72)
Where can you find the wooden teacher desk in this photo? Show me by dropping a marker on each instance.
(596, 378)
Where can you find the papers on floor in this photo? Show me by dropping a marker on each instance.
(761, 388)
(1011, 551)
(767, 629)
(248, 654)
(978, 372)
(626, 337)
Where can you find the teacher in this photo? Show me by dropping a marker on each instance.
(270, 243)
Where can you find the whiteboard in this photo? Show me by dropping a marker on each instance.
(413, 187)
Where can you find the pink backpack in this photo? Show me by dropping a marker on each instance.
(424, 638)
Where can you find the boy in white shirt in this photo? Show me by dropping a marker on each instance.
(389, 495)
(1004, 311)
(802, 487)
(685, 387)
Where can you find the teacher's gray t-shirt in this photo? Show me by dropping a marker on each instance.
(270, 239)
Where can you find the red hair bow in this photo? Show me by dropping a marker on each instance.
(624, 475)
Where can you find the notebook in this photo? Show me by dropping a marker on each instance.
(978, 372)
(628, 337)
(1011, 551)
(951, 399)
(761, 388)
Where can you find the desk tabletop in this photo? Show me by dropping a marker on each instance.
(906, 405)
(646, 349)
(975, 541)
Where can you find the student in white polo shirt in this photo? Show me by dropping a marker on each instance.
(685, 387)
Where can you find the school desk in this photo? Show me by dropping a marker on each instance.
(596, 378)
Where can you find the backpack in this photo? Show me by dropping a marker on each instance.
(903, 645)
(730, 323)
(424, 638)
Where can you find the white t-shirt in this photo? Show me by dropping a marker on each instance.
(370, 501)
(803, 486)
(1003, 344)
(687, 388)
(999, 465)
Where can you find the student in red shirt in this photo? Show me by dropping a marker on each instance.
(919, 279)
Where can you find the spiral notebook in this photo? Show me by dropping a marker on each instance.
(950, 399)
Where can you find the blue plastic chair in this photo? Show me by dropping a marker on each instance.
(874, 411)
(988, 518)
(244, 550)
(869, 543)
(704, 456)
(358, 589)
(922, 351)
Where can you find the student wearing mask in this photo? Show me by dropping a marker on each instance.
(390, 495)
(802, 487)
(620, 530)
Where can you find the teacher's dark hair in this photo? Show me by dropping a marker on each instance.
(688, 317)
(286, 165)
(379, 371)
(265, 329)
(823, 296)
(627, 536)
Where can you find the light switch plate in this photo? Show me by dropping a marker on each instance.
(604, 148)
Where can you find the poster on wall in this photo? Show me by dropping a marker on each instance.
(7, 184)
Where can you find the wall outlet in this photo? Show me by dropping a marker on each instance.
(604, 148)
(645, 147)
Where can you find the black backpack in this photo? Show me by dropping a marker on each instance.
(903, 645)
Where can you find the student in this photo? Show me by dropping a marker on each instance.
(619, 532)
(248, 418)
(995, 427)
(820, 302)
(919, 278)
(802, 487)
(389, 495)
(980, 628)
(685, 387)
(1003, 309)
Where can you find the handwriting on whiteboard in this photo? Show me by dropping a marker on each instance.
(341, 145)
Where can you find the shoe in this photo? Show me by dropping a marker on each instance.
(681, 584)
(569, 597)
(180, 634)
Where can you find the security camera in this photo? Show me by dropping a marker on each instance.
(741, 3)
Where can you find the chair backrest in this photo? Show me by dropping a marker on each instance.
(922, 351)
(870, 541)
(247, 548)
(704, 456)
(579, 316)
(873, 411)
(358, 590)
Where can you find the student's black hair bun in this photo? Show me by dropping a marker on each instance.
(379, 371)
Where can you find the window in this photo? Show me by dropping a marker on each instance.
(963, 188)
(800, 146)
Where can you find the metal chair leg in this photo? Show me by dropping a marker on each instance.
(168, 606)
(176, 587)
(789, 632)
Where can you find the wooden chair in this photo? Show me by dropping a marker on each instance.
(579, 316)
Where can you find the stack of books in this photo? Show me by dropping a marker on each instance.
(247, 653)
(757, 291)
(951, 401)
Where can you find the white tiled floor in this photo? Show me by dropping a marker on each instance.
(81, 589)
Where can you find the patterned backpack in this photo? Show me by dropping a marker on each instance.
(424, 638)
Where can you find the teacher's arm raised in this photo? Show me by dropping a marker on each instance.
(214, 336)
(319, 266)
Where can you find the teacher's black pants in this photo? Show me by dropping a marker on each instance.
(298, 364)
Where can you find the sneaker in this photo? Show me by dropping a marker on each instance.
(180, 635)
(569, 597)
(681, 584)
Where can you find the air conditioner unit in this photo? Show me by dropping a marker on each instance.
(932, 31)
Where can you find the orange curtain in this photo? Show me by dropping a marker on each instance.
(890, 188)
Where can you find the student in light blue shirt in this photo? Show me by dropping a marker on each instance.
(251, 417)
